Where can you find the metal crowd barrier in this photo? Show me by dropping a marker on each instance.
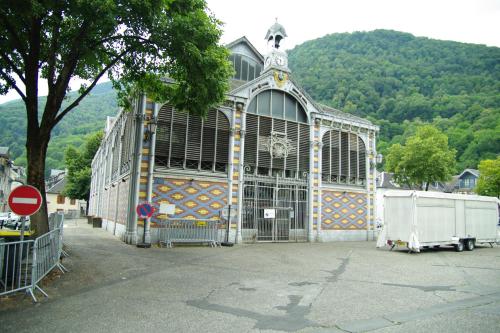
(23, 264)
(16, 259)
(189, 231)
(56, 221)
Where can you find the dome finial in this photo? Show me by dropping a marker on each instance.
(276, 33)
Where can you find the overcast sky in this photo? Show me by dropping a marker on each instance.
(470, 21)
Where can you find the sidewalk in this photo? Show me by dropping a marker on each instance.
(328, 287)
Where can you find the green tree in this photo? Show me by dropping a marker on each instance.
(489, 178)
(80, 169)
(424, 158)
(136, 43)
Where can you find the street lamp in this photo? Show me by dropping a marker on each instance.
(378, 160)
(150, 128)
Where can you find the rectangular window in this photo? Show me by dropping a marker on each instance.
(237, 66)
(244, 70)
(72, 202)
(60, 199)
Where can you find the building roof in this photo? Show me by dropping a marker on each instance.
(250, 45)
(55, 172)
(471, 171)
(4, 151)
(58, 187)
(343, 115)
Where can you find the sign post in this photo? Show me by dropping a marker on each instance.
(24, 201)
(144, 211)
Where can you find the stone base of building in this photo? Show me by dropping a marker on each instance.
(116, 229)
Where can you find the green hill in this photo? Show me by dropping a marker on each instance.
(398, 80)
(86, 118)
(394, 79)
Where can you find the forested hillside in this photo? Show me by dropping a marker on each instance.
(86, 118)
(398, 81)
(394, 79)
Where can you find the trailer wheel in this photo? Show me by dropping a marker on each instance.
(469, 245)
(460, 246)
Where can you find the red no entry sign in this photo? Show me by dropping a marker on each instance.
(144, 210)
(25, 200)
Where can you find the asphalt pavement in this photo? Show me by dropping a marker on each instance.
(286, 287)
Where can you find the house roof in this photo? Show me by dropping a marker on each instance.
(4, 151)
(55, 172)
(471, 171)
(58, 187)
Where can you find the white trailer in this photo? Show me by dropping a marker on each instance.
(417, 219)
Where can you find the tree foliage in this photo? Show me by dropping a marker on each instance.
(424, 158)
(489, 178)
(399, 81)
(135, 43)
(78, 164)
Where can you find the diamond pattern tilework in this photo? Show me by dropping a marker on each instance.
(343, 211)
(192, 199)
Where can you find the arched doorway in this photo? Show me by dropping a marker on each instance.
(276, 168)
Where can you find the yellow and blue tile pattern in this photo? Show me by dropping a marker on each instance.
(343, 211)
(192, 199)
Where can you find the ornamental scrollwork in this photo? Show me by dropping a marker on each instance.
(278, 145)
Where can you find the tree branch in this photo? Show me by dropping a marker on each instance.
(13, 84)
(15, 38)
(13, 66)
(51, 57)
(89, 88)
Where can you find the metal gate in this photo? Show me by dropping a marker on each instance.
(286, 198)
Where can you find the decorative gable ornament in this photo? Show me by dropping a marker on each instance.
(278, 145)
(280, 78)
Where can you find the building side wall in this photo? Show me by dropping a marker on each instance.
(123, 201)
(113, 196)
(53, 206)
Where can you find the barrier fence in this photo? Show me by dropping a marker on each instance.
(190, 231)
(23, 264)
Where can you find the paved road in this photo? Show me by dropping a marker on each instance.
(332, 287)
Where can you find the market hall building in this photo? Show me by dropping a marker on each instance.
(269, 149)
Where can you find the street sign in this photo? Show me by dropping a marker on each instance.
(269, 213)
(144, 210)
(225, 212)
(25, 200)
(167, 209)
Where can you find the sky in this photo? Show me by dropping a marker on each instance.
(469, 21)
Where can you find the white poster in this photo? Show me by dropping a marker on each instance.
(269, 213)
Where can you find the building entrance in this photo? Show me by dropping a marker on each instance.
(274, 209)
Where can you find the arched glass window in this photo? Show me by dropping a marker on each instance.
(187, 141)
(277, 104)
(343, 158)
(245, 68)
(277, 136)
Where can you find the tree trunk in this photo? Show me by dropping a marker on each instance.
(36, 149)
(427, 186)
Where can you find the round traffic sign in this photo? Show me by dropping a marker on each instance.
(25, 200)
(144, 210)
